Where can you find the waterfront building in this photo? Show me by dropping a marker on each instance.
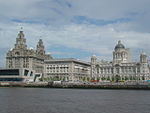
(22, 57)
(17, 75)
(121, 67)
(67, 69)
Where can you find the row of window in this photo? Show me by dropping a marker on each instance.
(57, 67)
(57, 71)
(109, 71)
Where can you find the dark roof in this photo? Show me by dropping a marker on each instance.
(119, 45)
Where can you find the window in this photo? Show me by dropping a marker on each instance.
(31, 74)
(9, 72)
(26, 72)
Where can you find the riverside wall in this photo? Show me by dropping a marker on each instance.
(84, 85)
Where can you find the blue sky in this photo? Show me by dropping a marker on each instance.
(76, 28)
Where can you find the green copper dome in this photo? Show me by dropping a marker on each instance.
(119, 45)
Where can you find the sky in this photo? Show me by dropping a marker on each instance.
(76, 28)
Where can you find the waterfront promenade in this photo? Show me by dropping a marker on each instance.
(83, 85)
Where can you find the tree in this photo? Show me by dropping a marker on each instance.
(88, 79)
(143, 77)
(113, 78)
(40, 79)
(131, 78)
(108, 78)
(103, 78)
(117, 77)
(126, 78)
(83, 79)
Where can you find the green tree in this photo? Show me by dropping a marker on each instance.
(40, 79)
(88, 79)
(113, 78)
(126, 78)
(103, 78)
(83, 79)
(108, 78)
(117, 78)
(131, 78)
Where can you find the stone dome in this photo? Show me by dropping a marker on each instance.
(119, 45)
(93, 56)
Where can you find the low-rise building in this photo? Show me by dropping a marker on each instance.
(17, 75)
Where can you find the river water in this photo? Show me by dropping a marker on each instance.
(45, 100)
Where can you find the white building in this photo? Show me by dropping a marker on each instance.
(121, 67)
(66, 69)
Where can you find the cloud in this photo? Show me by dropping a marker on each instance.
(90, 39)
(86, 20)
(76, 28)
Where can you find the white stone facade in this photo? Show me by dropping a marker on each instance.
(67, 69)
(121, 67)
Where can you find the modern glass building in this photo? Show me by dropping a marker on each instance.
(17, 75)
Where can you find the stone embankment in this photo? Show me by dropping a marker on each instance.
(81, 85)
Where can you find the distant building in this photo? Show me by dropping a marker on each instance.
(22, 57)
(67, 69)
(121, 68)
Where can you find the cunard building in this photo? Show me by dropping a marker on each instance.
(22, 57)
(121, 67)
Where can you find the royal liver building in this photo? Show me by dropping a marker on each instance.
(22, 57)
(121, 68)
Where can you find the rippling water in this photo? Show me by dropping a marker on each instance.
(38, 100)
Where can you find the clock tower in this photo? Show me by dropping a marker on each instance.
(40, 48)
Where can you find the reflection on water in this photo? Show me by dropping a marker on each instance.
(38, 100)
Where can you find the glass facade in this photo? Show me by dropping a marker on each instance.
(11, 79)
(12, 72)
